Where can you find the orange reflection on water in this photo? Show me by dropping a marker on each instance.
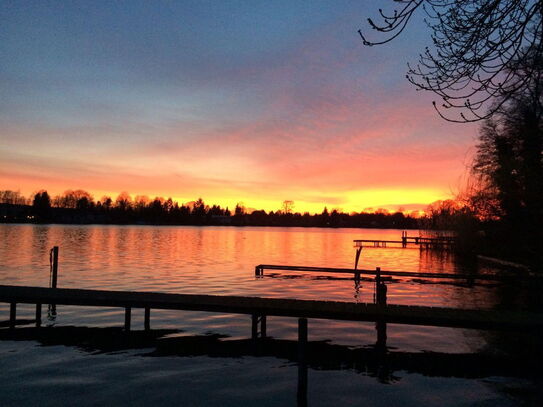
(221, 260)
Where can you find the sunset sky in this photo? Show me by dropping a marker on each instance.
(252, 101)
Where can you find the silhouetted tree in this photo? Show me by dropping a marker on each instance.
(140, 202)
(240, 209)
(123, 201)
(168, 205)
(12, 197)
(478, 48)
(106, 202)
(287, 207)
(41, 205)
(199, 211)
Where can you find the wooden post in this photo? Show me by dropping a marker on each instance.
(38, 315)
(301, 393)
(382, 294)
(302, 338)
(263, 326)
(127, 317)
(257, 320)
(12, 314)
(254, 326)
(357, 256)
(52, 312)
(54, 269)
(377, 282)
(147, 319)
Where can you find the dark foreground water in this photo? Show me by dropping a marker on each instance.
(196, 358)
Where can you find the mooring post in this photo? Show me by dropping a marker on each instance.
(38, 315)
(127, 317)
(12, 314)
(147, 319)
(404, 238)
(54, 266)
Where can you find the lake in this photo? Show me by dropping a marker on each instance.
(200, 358)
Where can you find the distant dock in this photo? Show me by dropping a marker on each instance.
(405, 240)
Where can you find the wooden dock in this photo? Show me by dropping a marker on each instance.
(259, 308)
(259, 271)
(405, 240)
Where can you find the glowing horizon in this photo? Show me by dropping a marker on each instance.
(378, 199)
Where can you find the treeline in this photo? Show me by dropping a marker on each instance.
(79, 207)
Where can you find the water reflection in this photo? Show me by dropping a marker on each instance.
(370, 360)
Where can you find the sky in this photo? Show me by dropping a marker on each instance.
(236, 101)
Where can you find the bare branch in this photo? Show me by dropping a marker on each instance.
(478, 49)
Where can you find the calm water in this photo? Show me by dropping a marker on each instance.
(221, 260)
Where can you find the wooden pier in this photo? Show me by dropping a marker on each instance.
(259, 271)
(405, 240)
(259, 308)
